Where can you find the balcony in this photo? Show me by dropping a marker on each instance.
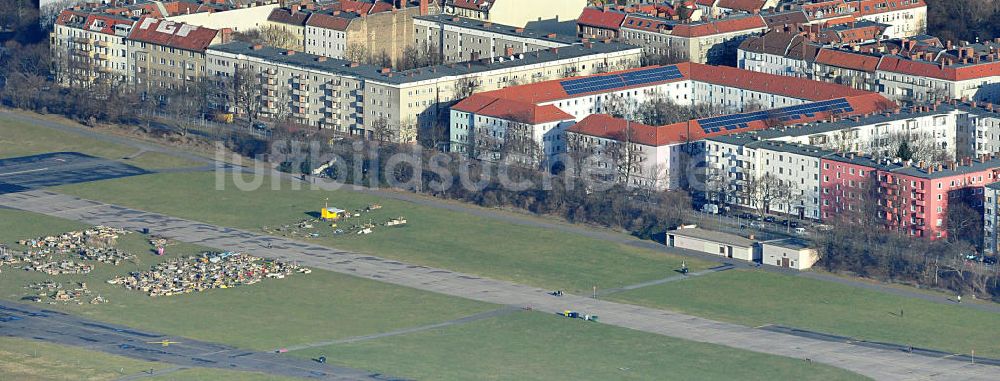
(101, 43)
(82, 40)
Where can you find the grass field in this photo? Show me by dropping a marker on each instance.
(433, 237)
(28, 360)
(536, 346)
(298, 309)
(755, 298)
(22, 139)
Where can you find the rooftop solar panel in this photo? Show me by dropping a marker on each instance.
(614, 81)
(728, 122)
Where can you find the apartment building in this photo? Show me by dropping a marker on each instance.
(290, 21)
(909, 197)
(89, 46)
(518, 13)
(362, 30)
(906, 70)
(717, 8)
(163, 53)
(764, 175)
(861, 176)
(712, 41)
(584, 99)
(462, 39)
(903, 18)
(358, 99)
(991, 217)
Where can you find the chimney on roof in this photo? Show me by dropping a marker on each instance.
(487, 24)
(321, 59)
(257, 47)
(424, 8)
(385, 70)
(518, 30)
(336, 13)
(293, 8)
(289, 52)
(355, 64)
(551, 35)
(554, 50)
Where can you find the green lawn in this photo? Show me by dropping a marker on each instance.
(756, 298)
(22, 139)
(536, 346)
(27, 360)
(302, 308)
(433, 237)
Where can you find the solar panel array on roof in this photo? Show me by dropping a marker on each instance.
(614, 81)
(785, 114)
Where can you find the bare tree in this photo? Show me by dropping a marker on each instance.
(382, 131)
(763, 192)
(356, 53)
(244, 93)
(465, 87)
(271, 35)
(626, 153)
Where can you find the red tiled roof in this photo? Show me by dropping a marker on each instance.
(475, 4)
(792, 87)
(549, 91)
(606, 126)
(285, 16)
(182, 8)
(329, 21)
(645, 23)
(720, 26)
(872, 7)
(100, 23)
(742, 5)
(599, 18)
(512, 109)
(848, 60)
(173, 34)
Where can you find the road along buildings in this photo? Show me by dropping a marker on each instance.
(382, 103)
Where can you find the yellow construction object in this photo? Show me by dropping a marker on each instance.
(164, 342)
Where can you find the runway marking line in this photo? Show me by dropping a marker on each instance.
(25, 171)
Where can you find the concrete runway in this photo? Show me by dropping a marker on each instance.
(878, 363)
(18, 320)
(52, 169)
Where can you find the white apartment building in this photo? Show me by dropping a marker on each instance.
(467, 39)
(357, 98)
(88, 46)
(517, 13)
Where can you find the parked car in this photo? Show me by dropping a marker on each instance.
(770, 219)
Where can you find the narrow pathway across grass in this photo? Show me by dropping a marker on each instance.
(872, 362)
(674, 278)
